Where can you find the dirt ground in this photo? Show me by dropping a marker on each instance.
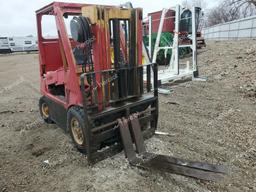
(213, 121)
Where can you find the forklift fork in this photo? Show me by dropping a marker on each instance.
(130, 131)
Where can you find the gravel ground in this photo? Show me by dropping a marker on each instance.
(211, 121)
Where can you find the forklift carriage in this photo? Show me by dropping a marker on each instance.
(95, 87)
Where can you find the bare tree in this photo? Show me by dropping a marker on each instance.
(245, 7)
(222, 13)
(230, 10)
(240, 3)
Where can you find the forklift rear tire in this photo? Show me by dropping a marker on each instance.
(44, 111)
(76, 127)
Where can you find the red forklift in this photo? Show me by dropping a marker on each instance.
(94, 86)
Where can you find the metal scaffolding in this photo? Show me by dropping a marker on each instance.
(174, 71)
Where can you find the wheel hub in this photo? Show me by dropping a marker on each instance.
(77, 131)
(45, 110)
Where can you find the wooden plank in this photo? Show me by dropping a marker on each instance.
(91, 12)
(117, 13)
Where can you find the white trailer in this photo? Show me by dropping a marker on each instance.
(23, 44)
(4, 45)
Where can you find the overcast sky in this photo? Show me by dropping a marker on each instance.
(17, 17)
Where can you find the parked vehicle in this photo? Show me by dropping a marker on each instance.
(23, 44)
(168, 33)
(18, 44)
(4, 45)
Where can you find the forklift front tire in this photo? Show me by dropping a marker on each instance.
(44, 111)
(76, 127)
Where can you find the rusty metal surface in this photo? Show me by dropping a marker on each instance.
(137, 134)
(163, 163)
(127, 140)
